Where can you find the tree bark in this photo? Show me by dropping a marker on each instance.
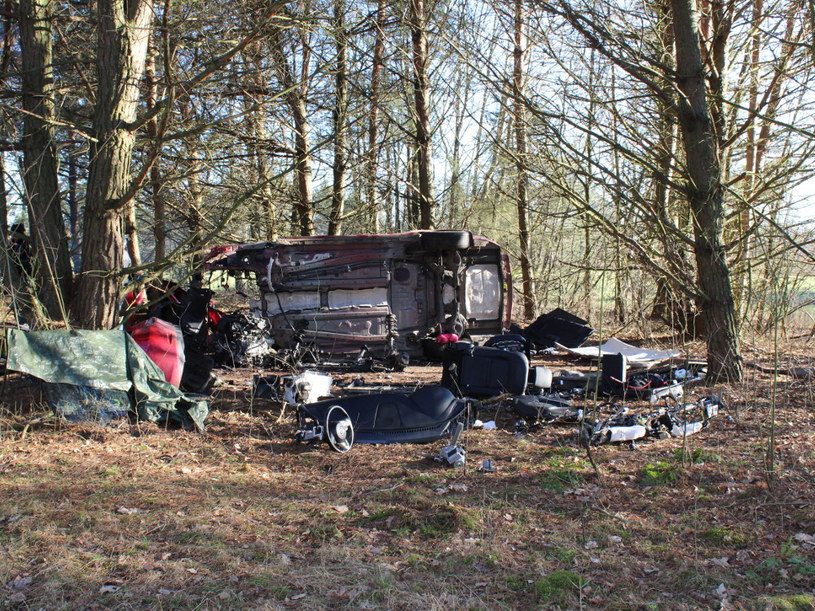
(522, 181)
(73, 201)
(159, 205)
(131, 231)
(671, 305)
(257, 143)
(52, 265)
(372, 202)
(123, 34)
(706, 198)
(421, 98)
(296, 99)
(194, 210)
(340, 123)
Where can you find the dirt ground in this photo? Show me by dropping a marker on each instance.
(133, 516)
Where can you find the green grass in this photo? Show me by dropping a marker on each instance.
(795, 602)
(559, 587)
(659, 474)
(560, 480)
(697, 455)
(564, 470)
(721, 536)
(563, 554)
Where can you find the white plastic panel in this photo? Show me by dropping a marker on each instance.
(292, 301)
(346, 298)
(483, 292)
(256, 308)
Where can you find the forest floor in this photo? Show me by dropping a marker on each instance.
(133, 516)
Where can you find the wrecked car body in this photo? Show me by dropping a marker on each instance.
(384, 294)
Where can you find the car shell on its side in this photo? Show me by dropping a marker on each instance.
(387, 292)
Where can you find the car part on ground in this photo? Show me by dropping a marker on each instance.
(164, 344)
(305, 387)
(680, 421)
(545, 409)
(426, 415)
(242, 341)
(558, 327)
(636, 357)
(471, 371)
(453, 454)
(339, 430)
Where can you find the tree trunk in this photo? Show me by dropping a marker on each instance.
(159, 205)
(671, 304)
(193, 212)
(372, 202)
(5, 245)
(340, 123)
(303, 206)
(73, 202)
(52, 265)
(705, 195)
(131, 231)
(522, 184)
(421, 97)
(456, 192)
(264, 210)
(123, 33)
(296, 99)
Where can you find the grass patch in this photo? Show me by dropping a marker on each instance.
(423, 515)
(559, 587)
(718, 535)
(796, 602)
(271, 585)
(515, 583)
(564, 554)
(697, 455)
(565, 471)
(560, 480)
(659, 474)
(789, 561)
(446, 520)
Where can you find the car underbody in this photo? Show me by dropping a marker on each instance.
(386, 294)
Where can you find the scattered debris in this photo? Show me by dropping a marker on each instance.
(243, 341)
(20, 582)
(306, 387)
(129, 511)
(636, 357)
(805, 539)
(109, 588)
(164, 344)
(487, 466)
(623, 425)
(558, 328)
(472, 371)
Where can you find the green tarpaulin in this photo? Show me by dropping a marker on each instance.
(96, 374)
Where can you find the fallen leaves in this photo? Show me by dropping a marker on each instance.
(381, 528)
